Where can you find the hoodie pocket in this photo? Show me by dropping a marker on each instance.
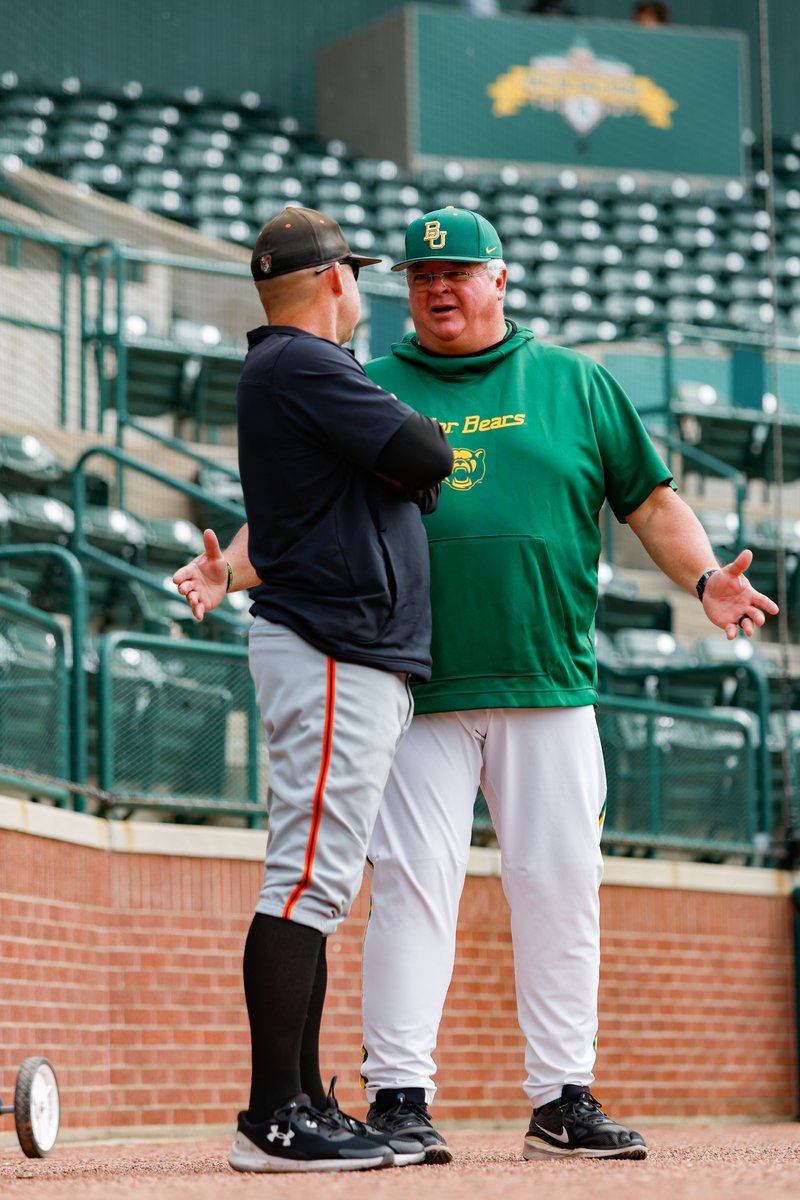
(497, 608)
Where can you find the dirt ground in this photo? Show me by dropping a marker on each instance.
(696, 1162)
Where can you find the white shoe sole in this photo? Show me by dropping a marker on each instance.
(408, 1160)
(246, 1156)
(536, 1148)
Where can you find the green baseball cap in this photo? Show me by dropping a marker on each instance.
(454, 234)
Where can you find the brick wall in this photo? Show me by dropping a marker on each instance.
(120, 960)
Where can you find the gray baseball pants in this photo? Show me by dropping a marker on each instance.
(332, 729)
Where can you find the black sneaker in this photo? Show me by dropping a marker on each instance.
(298, 1137)
(576, 1127)
(405, 1150)
(404, 1112)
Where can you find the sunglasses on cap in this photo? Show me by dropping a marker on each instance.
(354, 266)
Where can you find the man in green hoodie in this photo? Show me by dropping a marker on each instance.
(542, 437)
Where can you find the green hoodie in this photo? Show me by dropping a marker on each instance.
(541, 437)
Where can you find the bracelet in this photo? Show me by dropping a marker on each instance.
(700, 586)
(230, 576)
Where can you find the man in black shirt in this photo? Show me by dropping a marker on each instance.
(334, 473)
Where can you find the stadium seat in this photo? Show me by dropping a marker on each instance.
(685, 783)
(34, 518)
(34, 724)
(722, 528)
(176, 726)
(155, 608)
(733, 664)
(620, 606)
(652, 648)
(776, 549)
(154, 381)
(708, 420)
(210, 398)
(26, 464)
(222, 485)
(671, 672)
(170, 542)
(708, 784)
(116, 532)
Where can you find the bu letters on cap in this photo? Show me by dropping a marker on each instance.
(435, 236)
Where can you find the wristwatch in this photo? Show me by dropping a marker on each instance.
(700, 586)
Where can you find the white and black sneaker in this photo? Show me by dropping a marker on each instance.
(298, 1137)
(576, 1127)
(404, 1113)
(406, 1150)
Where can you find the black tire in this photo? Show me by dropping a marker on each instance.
(37, 1107)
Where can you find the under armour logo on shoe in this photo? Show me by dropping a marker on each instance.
(284, 1138)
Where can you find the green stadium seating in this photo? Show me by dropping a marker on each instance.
(34, 720)
(733, 435)
(26, 464)
(620, 605)
(666, 668)
(156, 609)
(211, 397)
(680, 782)
(171, 541)
(220, 485)
(154, 380)
(34, 518)
(176, 726)
(722, 528)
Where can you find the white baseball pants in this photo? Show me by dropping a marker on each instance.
(542, 773)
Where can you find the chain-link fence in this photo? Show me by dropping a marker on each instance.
(680, 780)
(178, 728)
(34, 707)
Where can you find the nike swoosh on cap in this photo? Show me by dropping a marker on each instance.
(489, 249)
(559, 1137)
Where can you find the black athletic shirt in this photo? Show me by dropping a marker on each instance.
(342, 556)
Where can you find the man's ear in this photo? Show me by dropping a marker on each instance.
(335, 279)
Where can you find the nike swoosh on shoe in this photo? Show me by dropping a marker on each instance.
(559, 1137)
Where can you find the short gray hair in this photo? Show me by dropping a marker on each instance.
(494, 266)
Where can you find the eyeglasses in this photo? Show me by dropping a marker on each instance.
(420, 280)
(354, 266)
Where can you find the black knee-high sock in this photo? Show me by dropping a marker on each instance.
(280, 968)
(310, 1076)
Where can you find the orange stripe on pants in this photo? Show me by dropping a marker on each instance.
(319, 791)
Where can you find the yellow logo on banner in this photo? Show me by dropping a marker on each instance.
(434, 235)
(583, 88)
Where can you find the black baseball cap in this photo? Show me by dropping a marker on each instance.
(298, 238)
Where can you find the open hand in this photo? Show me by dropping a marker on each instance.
(203, 581)
(731, 603)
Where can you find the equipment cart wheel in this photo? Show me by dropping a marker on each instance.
(37, 1107)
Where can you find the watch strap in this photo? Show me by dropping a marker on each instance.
(700, 586)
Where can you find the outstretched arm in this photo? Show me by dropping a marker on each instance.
(204, 581)
(677, 543)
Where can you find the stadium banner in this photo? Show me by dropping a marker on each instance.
(523, 89)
